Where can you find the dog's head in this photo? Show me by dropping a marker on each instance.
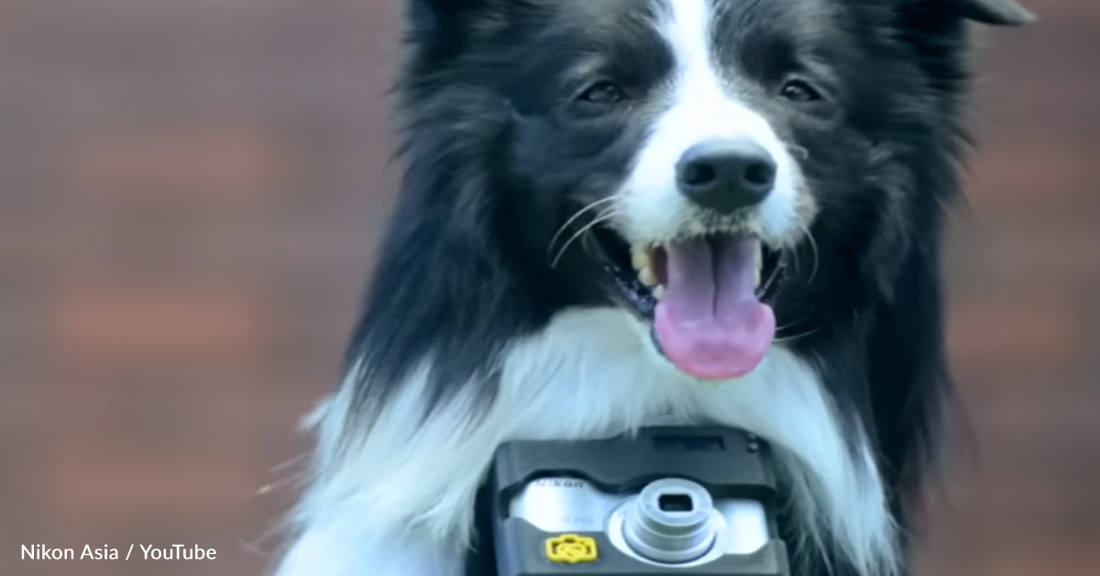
(707, 163)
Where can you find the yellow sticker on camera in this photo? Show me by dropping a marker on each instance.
(571, 549)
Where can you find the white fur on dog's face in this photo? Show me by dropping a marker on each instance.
(701, 107)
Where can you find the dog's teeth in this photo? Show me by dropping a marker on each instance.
(758, 264)
(639, 257)
(642, 260)
(659, 292)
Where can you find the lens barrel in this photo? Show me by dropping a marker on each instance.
(671, 521)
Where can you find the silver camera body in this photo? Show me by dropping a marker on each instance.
(672, 522)
(686, 501)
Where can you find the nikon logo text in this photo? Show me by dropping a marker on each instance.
(559, 483)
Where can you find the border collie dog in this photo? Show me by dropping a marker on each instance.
(618, 213)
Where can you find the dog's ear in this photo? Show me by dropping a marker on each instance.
(926, 22)
(992, 12)
(432, 15)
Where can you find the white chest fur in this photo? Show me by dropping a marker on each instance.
(590, 374)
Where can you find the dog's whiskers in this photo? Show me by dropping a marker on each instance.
(573, 218)
(796, 336)
(783, 327)
(603, 216)
(793, 251)
(787, 339)
(813, 246)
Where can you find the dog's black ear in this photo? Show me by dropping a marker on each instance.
(431, 15)
(992, 12)
(926, 22)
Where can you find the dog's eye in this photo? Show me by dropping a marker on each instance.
(602, 92)
(799, 91)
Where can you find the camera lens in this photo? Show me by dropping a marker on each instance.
(671, 521)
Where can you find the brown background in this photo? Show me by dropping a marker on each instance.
(190, 193)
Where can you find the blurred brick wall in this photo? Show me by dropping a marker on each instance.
(1025, 310)
(190, 193)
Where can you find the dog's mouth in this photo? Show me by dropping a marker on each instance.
(708, 297)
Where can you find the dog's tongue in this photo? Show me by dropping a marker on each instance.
(709, 322)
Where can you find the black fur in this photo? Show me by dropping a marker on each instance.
(497, 160)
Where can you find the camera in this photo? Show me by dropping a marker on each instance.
(664, 500)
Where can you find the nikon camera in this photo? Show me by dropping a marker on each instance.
(669, 500)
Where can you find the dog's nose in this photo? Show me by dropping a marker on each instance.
(726, 175)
